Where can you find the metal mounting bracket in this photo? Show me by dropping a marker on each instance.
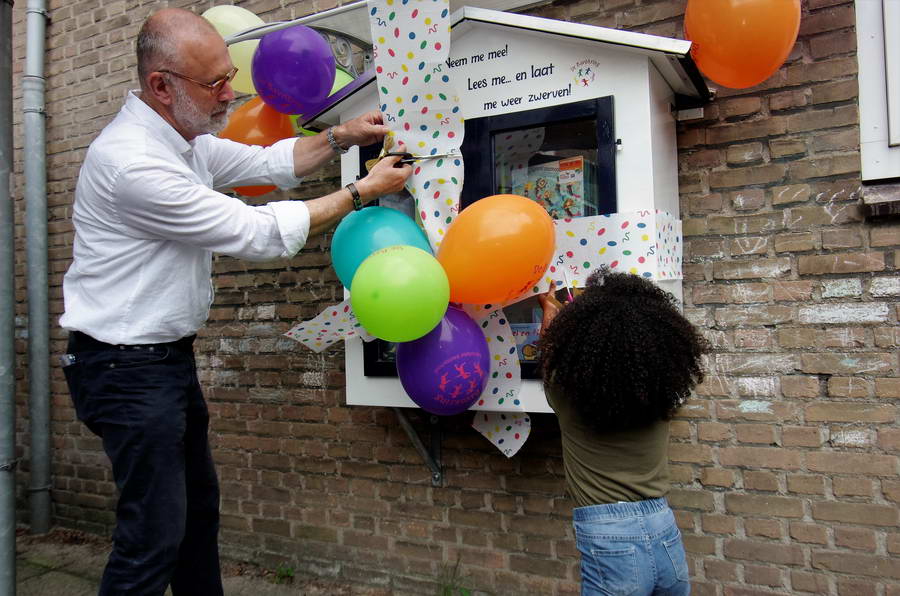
(342, 46)
(431, 457)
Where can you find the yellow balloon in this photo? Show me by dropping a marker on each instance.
(229, 20)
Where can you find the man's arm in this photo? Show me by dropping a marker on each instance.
(162, 199)
(311, 153)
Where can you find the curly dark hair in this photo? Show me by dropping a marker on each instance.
(622, 353)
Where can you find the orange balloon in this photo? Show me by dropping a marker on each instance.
(497, 249)
(741, 43)
(255, 123)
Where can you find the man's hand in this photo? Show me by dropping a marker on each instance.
(386, 177)
(362, 130)
(311, 153)
(325, 212)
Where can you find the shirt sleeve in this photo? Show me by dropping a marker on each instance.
(235, 164)
(160, 200)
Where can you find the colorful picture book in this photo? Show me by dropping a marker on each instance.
(565, 188)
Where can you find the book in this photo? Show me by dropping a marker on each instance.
(565, 188)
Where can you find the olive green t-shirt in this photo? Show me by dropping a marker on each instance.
(613, 466)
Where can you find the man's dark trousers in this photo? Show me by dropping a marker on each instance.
(145, 403)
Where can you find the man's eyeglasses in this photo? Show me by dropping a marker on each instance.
(216, 86)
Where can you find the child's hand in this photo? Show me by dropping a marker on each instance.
(548, 299)
(550, 305)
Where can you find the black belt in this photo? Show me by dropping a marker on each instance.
(83, 342)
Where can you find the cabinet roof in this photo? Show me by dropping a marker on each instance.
(670, 56)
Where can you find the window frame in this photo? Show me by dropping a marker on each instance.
(878, 56)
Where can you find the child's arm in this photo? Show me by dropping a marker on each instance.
(550, 305)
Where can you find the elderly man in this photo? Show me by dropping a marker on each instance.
(147, 221)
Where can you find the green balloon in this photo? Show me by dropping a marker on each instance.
(400, 293)
(341, 79)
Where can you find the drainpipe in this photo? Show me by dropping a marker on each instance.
(7, 315)
(35, 161)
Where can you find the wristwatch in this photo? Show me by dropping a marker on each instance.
(334, 144)
(357, 200)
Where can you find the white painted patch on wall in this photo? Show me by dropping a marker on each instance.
(755, 406)
(748, 293)
(885, 286)
(841, 288)
(852, 438)
(767, 270)
(314, 379)
(844, 313)
(755, 386)
(266, 312)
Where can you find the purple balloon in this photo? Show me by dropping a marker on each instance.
(293, 69)
(349, 89)
(446, 370)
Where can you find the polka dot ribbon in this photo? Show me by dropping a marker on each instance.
(411, 42)
(646, 243)
(333, 324)
(504, 422)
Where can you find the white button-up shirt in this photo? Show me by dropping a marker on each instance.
(147, 221)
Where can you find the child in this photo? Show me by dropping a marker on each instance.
(617, 362)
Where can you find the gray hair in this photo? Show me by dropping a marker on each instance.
(161, 35)
(155, 50)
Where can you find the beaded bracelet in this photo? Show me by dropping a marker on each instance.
(334, 144)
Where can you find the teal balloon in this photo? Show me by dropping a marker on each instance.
(363, 232)
(400, 293)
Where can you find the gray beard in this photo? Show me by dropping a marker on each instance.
(190, 118)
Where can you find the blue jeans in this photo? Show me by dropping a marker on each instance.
(631, 549)
(145, 403)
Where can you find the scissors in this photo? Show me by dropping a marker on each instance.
(410, 158)
(407, 157)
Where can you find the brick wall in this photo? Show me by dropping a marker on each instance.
(785, 464)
